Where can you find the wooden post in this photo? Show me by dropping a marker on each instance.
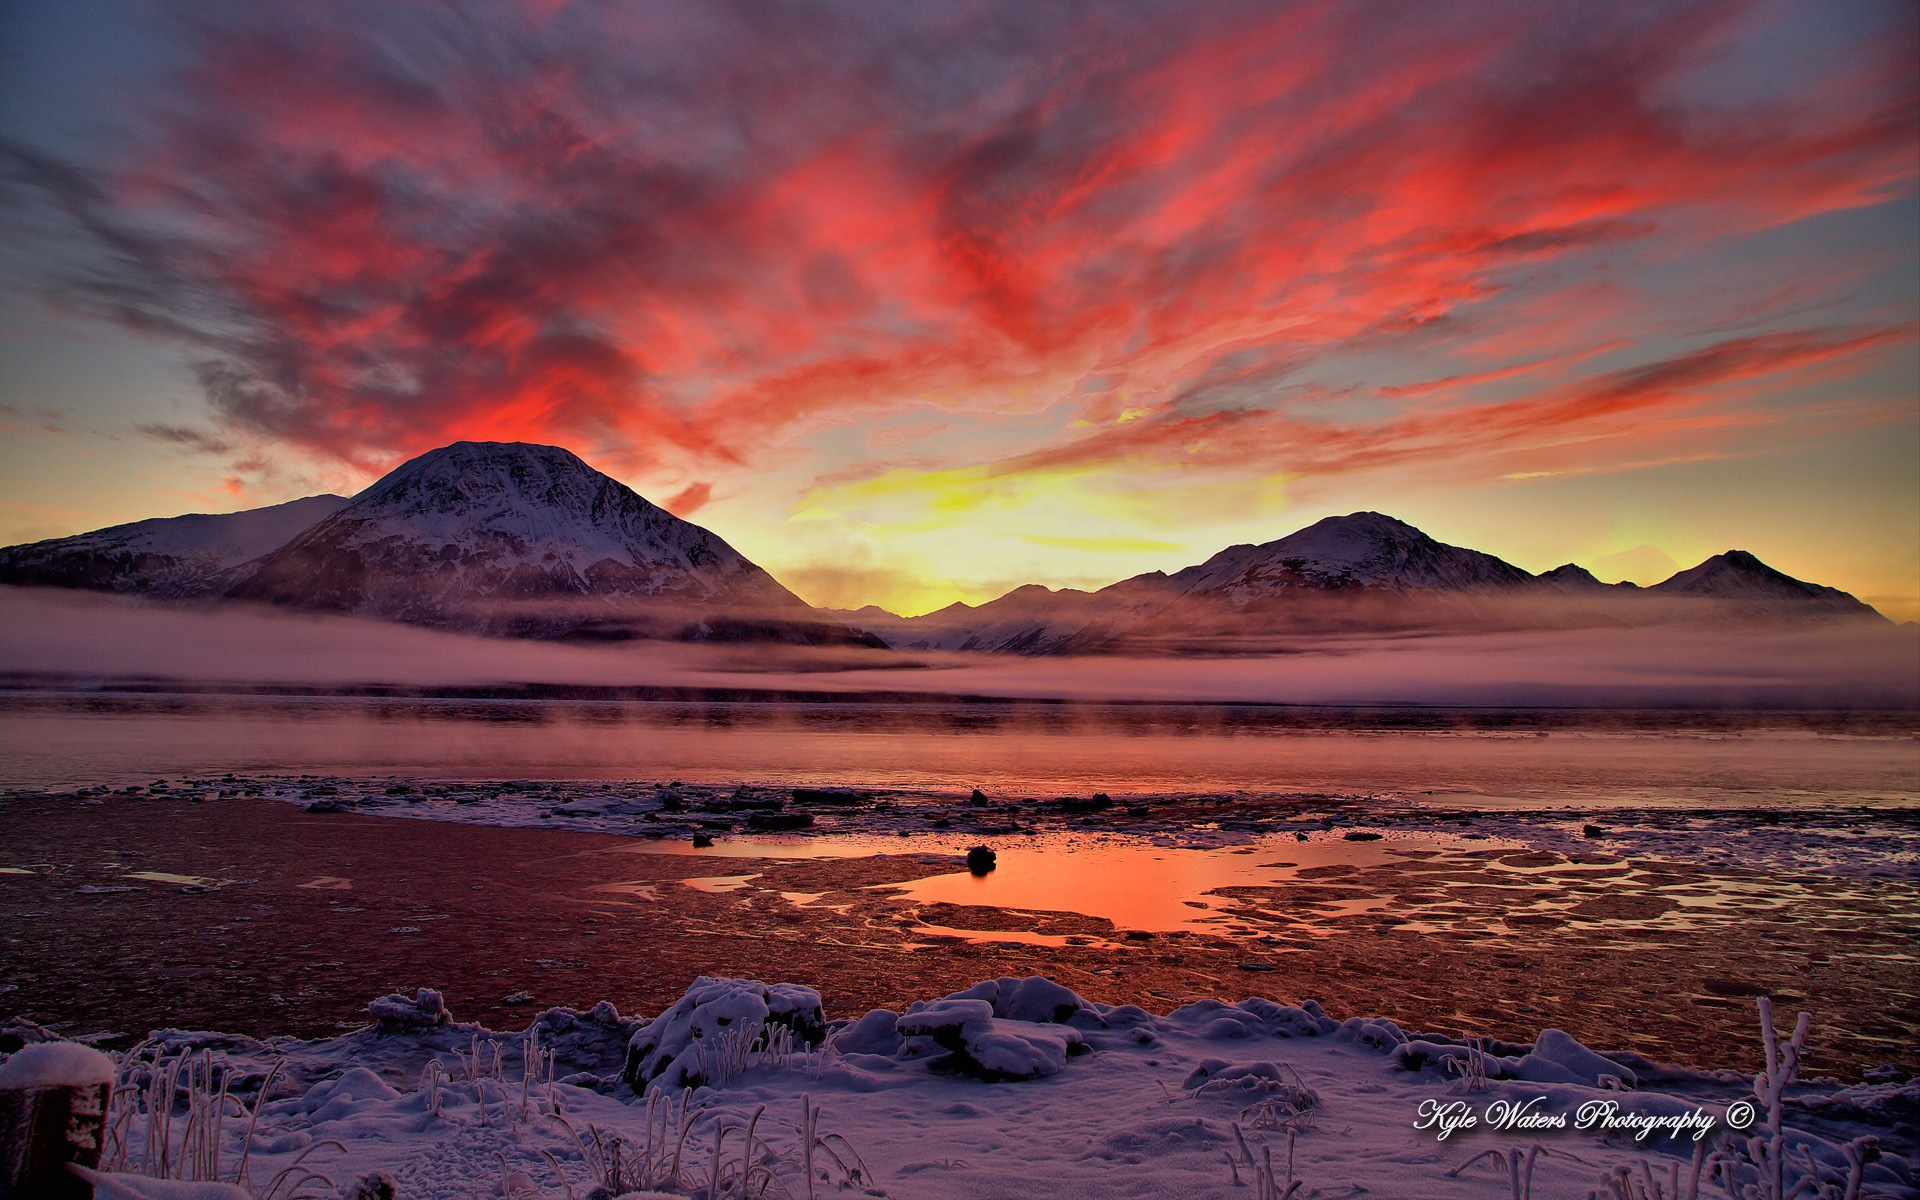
(44, 1125)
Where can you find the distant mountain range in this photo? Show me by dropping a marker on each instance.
(1358, 573)
(524, 540)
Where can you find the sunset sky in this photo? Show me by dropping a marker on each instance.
(915, 302)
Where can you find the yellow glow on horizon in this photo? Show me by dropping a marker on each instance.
(913, 540)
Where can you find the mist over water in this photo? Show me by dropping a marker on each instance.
(69, 638)
(111, 690)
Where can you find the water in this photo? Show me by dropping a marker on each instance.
(1485, 758)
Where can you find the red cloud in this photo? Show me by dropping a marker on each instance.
(686, 233)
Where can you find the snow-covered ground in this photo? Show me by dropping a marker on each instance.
(1010, 1089)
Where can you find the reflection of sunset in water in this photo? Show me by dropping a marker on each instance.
(1059, 749)
(1136, 887)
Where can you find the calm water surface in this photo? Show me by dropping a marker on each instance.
(1488, 759)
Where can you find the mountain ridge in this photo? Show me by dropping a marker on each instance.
(1343, 574)
(528, 540)
(168, 557)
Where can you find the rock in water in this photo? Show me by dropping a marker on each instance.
(981, 859)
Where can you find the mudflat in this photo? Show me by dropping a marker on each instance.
(128, 913)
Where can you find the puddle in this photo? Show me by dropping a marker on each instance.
(824, 845)
(1011, 937)
(719, 883)
(1160, 890)
(182, 880)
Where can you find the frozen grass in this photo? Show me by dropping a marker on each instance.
(193, 1092)
(1471, 1068)
(1756, 1166)
(1517, 1167)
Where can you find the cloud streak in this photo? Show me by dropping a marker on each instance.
(688, 234)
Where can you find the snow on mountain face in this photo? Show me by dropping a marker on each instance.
(510, 537)
(170, 557)
(1364, 550)
(1749, 587)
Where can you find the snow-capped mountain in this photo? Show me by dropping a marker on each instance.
(529, 540)
(506, 537)
(169, 557)
(1363, 550)
(1742, 584)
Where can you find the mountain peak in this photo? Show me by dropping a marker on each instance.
(1753, 588)
(1359, 550)
(1352, 538)
(510, 537)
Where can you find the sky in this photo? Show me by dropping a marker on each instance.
(917, 302)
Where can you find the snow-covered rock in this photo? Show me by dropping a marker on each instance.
(979, 1044)
(686, 1045)
(1035, 998)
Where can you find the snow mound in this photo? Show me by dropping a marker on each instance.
(984, 1046)
(1558, 1058)
(1036, 999)
(354, 1091)
(1554, 1058)
(876, 1033)
(56, 1064)
(115, 1186)
(1253, 1018)
(683, 1045)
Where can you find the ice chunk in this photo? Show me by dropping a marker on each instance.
(396, 1014)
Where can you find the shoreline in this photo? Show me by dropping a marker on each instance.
(572, 916)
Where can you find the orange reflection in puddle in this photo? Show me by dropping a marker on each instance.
(1151, 888)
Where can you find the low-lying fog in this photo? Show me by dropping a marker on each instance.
(57, 637)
